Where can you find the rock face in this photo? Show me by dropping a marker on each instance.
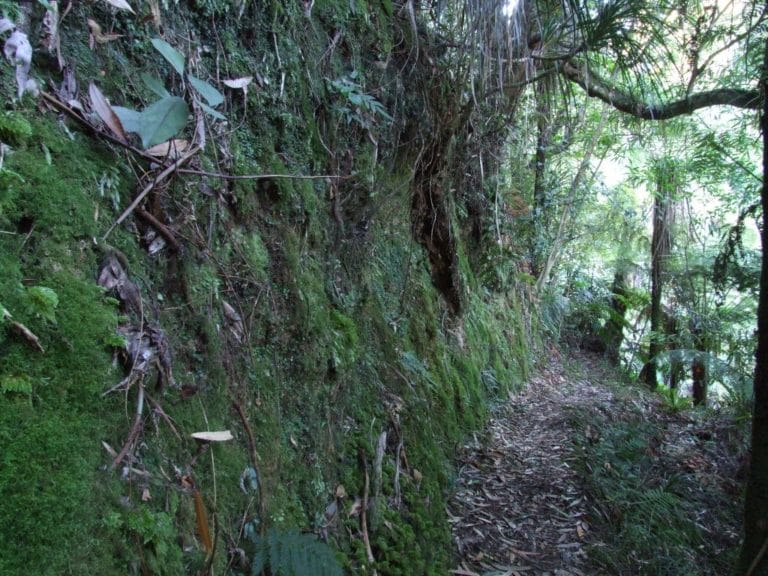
(304, 281)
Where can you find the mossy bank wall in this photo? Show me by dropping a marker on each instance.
(305, 315)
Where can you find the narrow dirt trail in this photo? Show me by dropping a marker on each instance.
(518, 506)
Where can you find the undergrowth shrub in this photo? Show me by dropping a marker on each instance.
(293, 554)
(651, 521)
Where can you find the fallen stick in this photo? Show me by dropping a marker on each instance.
(134, 429)
(151, 186)
(363, 514)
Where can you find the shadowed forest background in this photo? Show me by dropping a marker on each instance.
(276, 276)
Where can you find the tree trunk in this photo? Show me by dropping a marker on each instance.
(698, 366)
(540, 194)
(613, 331)
(658, 252)
(754, 559)
(672, 333)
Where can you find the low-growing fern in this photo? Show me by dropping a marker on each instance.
(293, 554)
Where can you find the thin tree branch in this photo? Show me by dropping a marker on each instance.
(624, 102)
(257, 176)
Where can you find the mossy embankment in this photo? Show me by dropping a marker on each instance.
(302, 314)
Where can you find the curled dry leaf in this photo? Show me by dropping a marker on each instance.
(170, 149)
(234, 321)
(98, 35)
(239, 83)
(105, 112)
(6, 25)
(216, 436)
(50, 35)
(120, 5)
(18, 51)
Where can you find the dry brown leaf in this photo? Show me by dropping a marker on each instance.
(171, 149)
(105, 112)
(120, 5)
(50, 34)
(27, 335)
(111, 451)
(98, 35)
(239, 83)
(354, 510)
(217, 436)
(234, 321)
(202, 522)
(154, 9)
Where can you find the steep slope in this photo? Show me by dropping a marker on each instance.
(336, 326)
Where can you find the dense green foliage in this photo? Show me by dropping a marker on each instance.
(343, 333)
(382, 224)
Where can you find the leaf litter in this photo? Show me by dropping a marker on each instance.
(520, 504)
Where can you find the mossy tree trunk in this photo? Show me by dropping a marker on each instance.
(613, 332)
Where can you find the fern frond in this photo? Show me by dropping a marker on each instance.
(293, 554)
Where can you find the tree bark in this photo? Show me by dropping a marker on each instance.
(543, 138)
(613, 331)
(698, 365)
(658, 253)
(599, 88)
(754, 559)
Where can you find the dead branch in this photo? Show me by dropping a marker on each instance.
(257, 176)
(161, 228)
(151, 186)
(135, 429)
(254, 462)
(363, 511)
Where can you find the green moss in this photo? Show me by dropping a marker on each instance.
(344, 333)
(14, 128)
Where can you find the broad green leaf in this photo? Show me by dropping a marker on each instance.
(210, 111)
(130, 119)
(212, 96)
(170, 53)
(155, 85)
(163, 120)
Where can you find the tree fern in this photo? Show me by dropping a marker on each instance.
(293, 554)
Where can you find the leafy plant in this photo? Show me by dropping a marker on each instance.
(16, 385)
(293, 554)
(360, 108)
(43, 302)
(165, 118)
(672, 398)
